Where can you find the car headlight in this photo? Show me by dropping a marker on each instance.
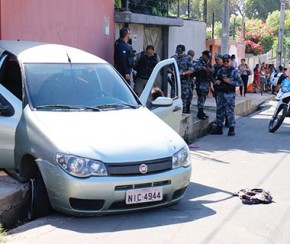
(181, 158)
(80, 167)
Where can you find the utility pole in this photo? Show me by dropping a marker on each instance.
(281, 33)
(225, 27)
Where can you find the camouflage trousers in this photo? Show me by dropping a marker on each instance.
(202, 89)
(225, 107)
(186, 93)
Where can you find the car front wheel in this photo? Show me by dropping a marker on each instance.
(40, 205)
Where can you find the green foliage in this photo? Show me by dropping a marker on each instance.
(196, 9)
(216, 7)
(235, 26)
(118, 3)
(2, 234)
(259, 37)
(150, 7)
(273, 21)
(260, 8)
(218, 30)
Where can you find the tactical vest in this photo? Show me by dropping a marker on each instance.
(202, 75)
(131, 55)
(225, 87)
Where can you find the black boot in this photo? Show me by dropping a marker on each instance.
(231, 131)
(201, 115)
(217, 130)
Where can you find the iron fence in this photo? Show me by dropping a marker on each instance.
(164, 8)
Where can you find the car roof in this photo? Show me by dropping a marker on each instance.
(39, 52)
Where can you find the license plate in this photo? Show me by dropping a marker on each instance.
(144, 195)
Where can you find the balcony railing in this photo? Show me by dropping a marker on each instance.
(164, 8)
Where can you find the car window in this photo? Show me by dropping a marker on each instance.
(165, 84)
(10, 76)
(76, 84)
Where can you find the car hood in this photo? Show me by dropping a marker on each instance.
(110, 136)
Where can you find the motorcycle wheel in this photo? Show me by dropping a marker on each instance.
(278, 118)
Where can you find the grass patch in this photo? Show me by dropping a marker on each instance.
(2, 234)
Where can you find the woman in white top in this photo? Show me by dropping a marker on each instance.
(244, 72)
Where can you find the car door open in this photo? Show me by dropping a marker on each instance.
(162, 94)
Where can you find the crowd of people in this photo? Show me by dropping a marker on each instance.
(221, 79)
(267, 78)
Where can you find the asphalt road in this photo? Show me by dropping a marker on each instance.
(209, 213)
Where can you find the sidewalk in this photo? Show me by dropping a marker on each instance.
(193, 128)
(14, 196)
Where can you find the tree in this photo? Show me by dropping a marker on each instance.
(235, 25)
(273, 21)
(118, 3)
(260, 8)
(259, 37)
(218, 29)
(216, 7)
(151, 7)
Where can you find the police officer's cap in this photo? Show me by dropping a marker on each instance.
(180, 49)
(218, 56)
(226, 56)
(206, 53)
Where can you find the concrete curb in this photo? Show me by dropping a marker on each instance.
(14, 200)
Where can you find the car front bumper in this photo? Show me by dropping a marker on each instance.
(104, 195)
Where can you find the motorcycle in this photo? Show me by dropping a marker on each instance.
(282, 109)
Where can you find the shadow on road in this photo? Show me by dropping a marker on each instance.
(188, 209)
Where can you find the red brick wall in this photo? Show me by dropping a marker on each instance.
(79, 23)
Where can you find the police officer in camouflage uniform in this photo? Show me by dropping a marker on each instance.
(185, 66)
(228, 78)
(216, 67)
(203, 71)
(192, 76)
(218, 64)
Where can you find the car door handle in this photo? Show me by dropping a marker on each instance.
(177, 108)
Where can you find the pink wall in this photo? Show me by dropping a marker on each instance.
(80, 23)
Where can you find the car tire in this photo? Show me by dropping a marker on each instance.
(40, 205)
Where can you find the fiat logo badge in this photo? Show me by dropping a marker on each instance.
(143, 169)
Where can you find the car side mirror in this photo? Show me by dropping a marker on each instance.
(162, 102)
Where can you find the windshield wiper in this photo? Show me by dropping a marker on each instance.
(117, 106)
(94, 108)
(58, 106)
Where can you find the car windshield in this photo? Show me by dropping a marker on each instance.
(65, 86)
